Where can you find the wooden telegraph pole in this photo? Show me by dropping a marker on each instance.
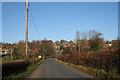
(27, 29)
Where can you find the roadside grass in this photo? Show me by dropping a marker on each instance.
(96, 73)
(8, 60)
(20, 76)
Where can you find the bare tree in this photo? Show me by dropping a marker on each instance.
(77, 35)
(84, 35)
(78, 41)
(95, 40)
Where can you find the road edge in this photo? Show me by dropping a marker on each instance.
(78, 67)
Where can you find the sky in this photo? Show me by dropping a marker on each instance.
(58, 20)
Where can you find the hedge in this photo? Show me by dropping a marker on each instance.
(15, 67)
(106, 59)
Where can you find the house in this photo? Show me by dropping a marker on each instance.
(4, 51)
(107, 45)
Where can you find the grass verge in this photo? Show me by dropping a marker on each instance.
(9, 60)
(96, 73)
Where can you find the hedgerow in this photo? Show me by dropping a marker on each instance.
(105, 59)
(15, 67)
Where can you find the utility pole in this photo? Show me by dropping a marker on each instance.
(27, 29)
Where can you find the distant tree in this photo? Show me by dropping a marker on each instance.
(66, 51)
(101, 43)
(15, 53)
(62, 41)
(57, 42)
(114, 44)
(83, 45)
(84, 41)
(61, 47)
(50, 41)
(32, 44)
(84, 35)
(78, 41)
(19, 51)
(95, 40)
(118, 67)
(108, 42)
(71, 43)
(78, 48)
(47, 48)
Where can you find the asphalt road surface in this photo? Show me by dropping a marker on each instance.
(54, 69)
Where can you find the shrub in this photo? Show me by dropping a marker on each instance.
(15, 67)
(106, 59)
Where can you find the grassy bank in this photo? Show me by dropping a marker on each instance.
(97, 73)
(25, 73)
(8, 60)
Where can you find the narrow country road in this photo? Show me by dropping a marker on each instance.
(54, 69)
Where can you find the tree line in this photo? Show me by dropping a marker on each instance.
(90, 51)
(89, 41)
(44, 48)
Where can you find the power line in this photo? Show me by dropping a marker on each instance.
(34, 22)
